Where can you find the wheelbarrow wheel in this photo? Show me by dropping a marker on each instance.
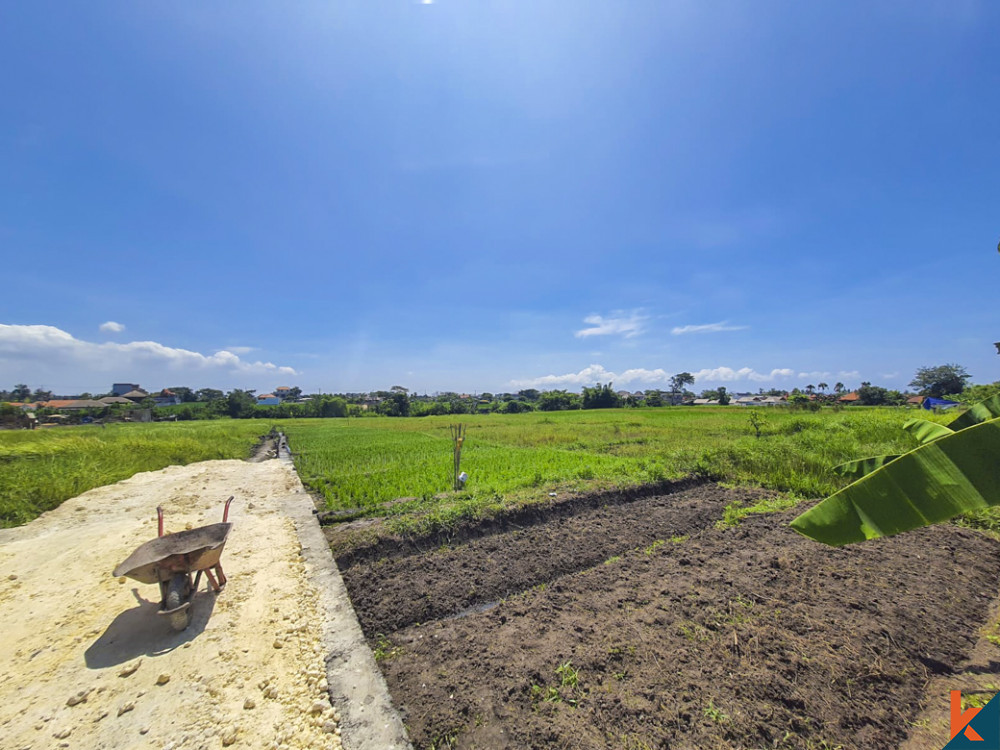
(178, 591)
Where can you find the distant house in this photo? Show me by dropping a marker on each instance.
(73, 404)
(748, 400)
(915, 400)
(849, 398)
(268, 399)
(706, 402)
(166, 397)
(120, 389)
(775, 401)
(109, 400)
(135, 396)
(56, 403)
(282, 392)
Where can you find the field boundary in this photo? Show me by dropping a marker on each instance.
(520, 517)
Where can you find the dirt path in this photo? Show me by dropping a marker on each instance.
(639, 624)
(87, 663)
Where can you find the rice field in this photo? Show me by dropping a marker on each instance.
(41, 468)
(363, 465)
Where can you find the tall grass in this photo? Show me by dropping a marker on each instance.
(363, 464)
(39, 469)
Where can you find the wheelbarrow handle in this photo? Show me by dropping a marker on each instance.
(159, 520)
(225, 512)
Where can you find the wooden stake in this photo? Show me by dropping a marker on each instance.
(457, 437)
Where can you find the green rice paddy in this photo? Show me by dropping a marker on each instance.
(363, 465)
(403, 467)
(41, 468)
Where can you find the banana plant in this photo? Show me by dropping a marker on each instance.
(956, 469)
(924, 431)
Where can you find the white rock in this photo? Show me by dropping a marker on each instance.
(130, 669)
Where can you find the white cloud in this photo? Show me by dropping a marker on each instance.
(815, 375)
(728, 374)
(40, 353)
(112, 327)
(599, 374)
(707, 328)
(241, 349)
(586, 376)
(619, 324)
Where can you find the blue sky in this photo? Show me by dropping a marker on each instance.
(485, 196)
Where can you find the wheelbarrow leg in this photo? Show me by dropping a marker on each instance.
(217, 584)
(211, 579)
(197, 580)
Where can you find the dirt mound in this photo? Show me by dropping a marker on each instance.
(639, 624)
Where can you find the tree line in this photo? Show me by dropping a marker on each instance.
(208, 403)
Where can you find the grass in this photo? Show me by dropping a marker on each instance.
(384, 650)
(715, 713)
(569, 681)
(979, 698)
(39, 469)
(401, 468)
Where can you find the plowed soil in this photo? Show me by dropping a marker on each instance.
(631, 621)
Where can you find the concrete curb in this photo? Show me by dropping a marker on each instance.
(368, 720)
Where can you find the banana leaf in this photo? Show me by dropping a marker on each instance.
(863, 466)
(923, 430)
(937, 481)
(977, 413)
(926, 431)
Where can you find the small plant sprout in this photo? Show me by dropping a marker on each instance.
(715, 713)
(568, 677)
(384, 650)
(757, 421)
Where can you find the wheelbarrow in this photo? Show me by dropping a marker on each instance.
(170, 560)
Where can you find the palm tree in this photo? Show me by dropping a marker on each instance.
(677, 383)
(823, 387)
(838, 387)
(810, 388)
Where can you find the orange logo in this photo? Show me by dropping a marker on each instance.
(960, 719)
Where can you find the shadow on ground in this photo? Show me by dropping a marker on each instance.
(140, 631)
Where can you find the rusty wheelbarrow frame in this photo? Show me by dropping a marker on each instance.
(169, 560)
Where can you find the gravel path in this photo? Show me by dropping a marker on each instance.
(87, 662)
